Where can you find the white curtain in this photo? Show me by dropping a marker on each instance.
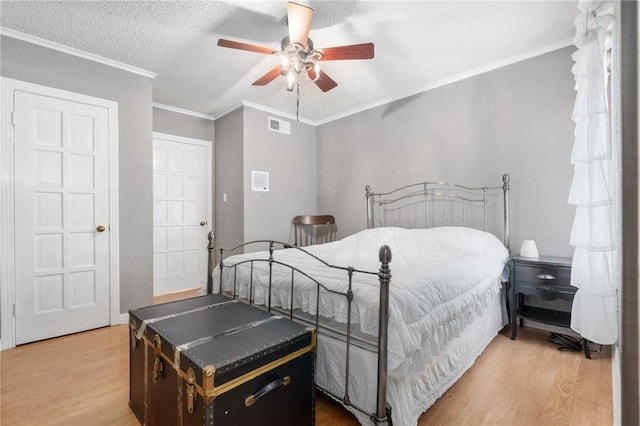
(595, 308)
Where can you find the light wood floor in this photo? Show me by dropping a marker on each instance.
(82, 379)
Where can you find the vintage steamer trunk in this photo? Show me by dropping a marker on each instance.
(212, 360)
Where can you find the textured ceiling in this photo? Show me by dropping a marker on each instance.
(418, 44)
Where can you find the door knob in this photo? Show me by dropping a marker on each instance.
(203, 223)
(100, 228)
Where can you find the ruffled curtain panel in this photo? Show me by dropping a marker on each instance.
(595, 307)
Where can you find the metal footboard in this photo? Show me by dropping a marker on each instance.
(382, 414)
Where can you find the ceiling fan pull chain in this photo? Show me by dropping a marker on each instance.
(297, 100)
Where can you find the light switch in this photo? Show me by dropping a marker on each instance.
(224, 197)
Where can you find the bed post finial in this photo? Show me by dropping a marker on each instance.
(212, 258)
(505, 190)
(385, 257)
(384, 276)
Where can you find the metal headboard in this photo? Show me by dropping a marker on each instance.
(430, 204)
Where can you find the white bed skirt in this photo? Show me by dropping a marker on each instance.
(408, 397)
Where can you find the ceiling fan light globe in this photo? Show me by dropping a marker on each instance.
(292, 57)
(316, 71)
(291, 79)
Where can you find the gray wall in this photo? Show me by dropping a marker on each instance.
(188, 126)
(244, 143)
(229, 223)
(36, 64)
(291, 163)
(515, 120)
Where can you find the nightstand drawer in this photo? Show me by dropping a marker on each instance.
(543, 276)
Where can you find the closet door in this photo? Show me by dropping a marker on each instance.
(61, 217)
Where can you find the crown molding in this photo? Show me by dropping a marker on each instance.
(263, 109)
(455, 78)
(226, 111)
(184, 111)
(277, 112)
(75, 52)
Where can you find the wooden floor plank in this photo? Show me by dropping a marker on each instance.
(528, 382)
(83, 379)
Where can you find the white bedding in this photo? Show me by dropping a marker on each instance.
(441, 279)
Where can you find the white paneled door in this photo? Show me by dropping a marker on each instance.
(181, 212)
(61, 217)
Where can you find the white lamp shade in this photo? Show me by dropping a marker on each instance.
(528, 248)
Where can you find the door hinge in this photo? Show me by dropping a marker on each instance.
(14, 310)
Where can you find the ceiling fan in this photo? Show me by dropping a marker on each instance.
(298, 53)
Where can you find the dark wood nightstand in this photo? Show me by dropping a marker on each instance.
(546, 278)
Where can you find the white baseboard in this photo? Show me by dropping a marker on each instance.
(124, 318)
(178, 292)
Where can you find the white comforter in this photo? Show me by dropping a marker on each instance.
(441, 278)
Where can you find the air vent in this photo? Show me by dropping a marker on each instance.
(279, 126)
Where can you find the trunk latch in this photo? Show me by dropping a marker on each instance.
(157, 364)
(191, 391)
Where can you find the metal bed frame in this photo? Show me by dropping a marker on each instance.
(386, 202)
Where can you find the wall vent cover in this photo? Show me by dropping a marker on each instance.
(279, 126)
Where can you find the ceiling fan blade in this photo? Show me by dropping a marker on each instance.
(299, 18)
(268, 77)
(354, 51)
(244, 46)
(326, 83)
